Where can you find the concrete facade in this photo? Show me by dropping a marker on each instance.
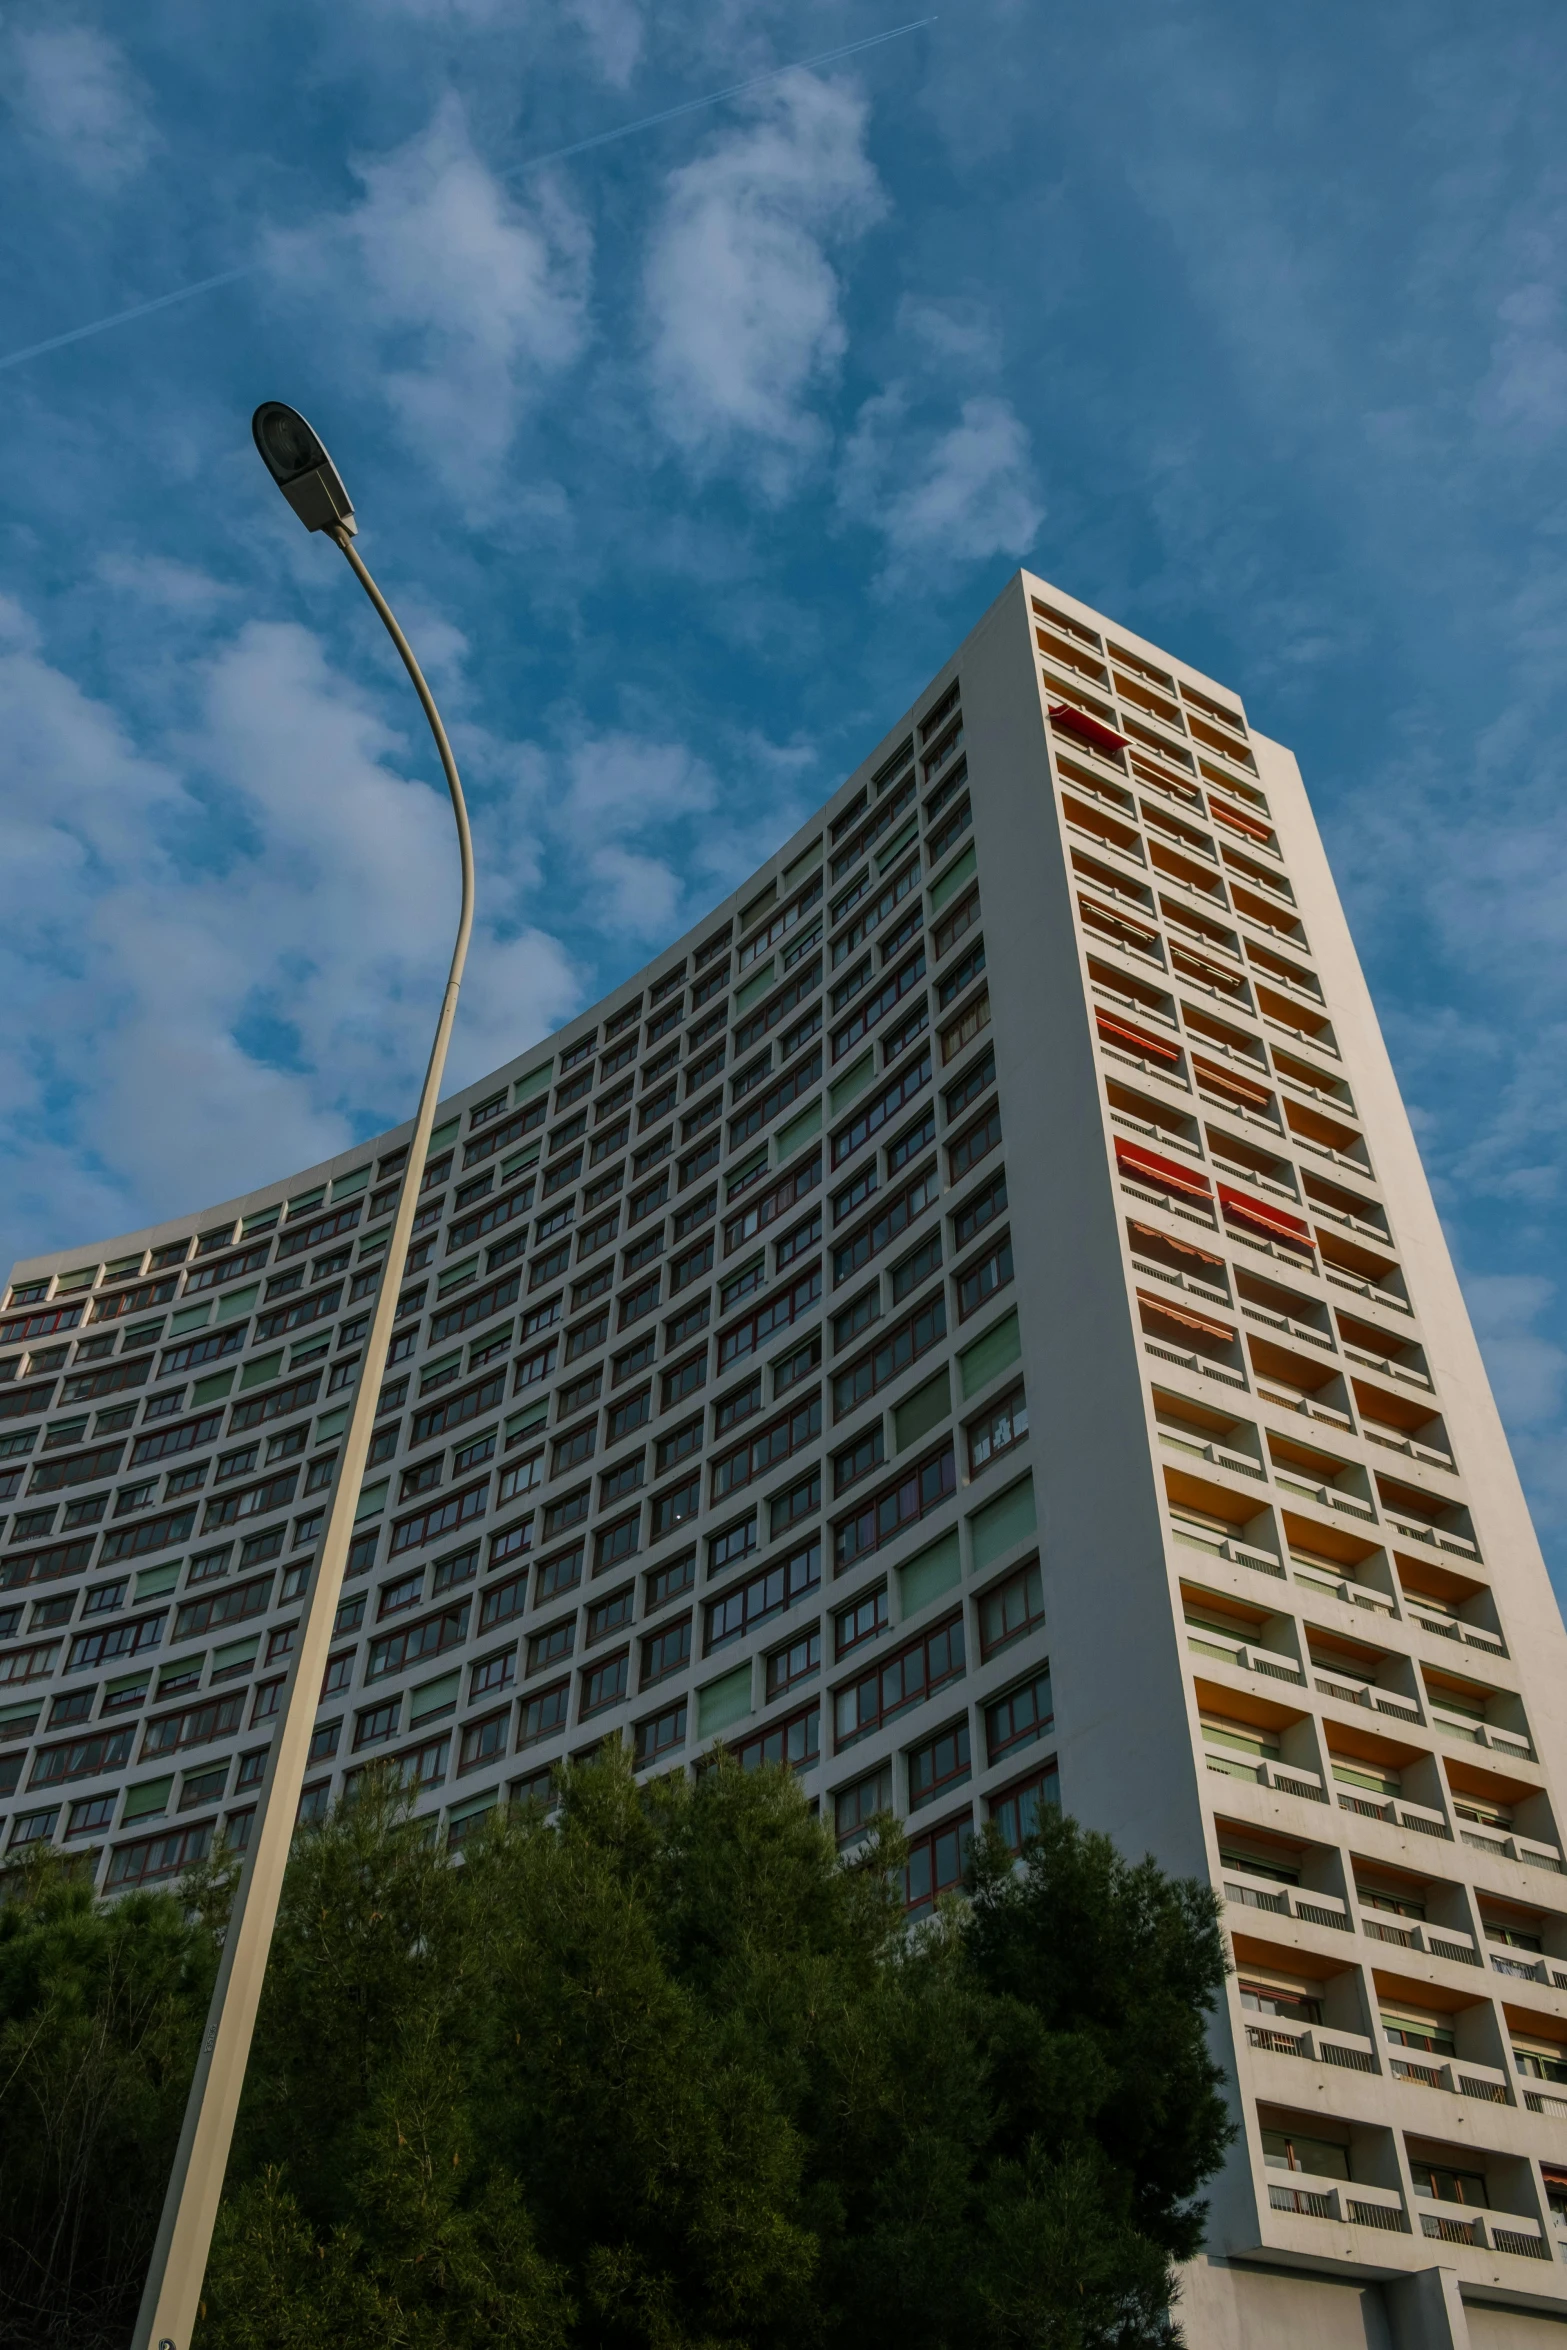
(969, 1322)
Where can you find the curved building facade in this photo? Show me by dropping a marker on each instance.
(967, 1323)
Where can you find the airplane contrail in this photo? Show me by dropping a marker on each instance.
(625, 130)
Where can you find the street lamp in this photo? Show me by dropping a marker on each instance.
(309, 480)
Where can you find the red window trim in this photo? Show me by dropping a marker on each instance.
(1122, 1032)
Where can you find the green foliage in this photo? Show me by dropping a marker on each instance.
(663, 2074)
(100, 2013)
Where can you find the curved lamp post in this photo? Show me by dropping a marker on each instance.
(308, 479)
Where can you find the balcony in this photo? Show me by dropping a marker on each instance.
(1093, 822)
(1197, 1342)
(1457, 2075)
(1315, 2044)
(1244, 1653)
(1305, 1904)
(1427, 1517)
(1373, 1273)
(1511, 2231)
(1359, 2204)
(1298, 1019)
(1448, 1942)
(1178, 1263)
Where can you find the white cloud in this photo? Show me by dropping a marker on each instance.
(614, 32)
(472, 302)
(953, 328)
(964, 494)
(743, 304)
(74, 94)
(206, 1005)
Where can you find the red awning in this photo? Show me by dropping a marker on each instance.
(1187, 1319)
(1155, 1169)
(1067, 716)
(1122, 1032)
(1278, 1221)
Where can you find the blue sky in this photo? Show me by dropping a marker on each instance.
(687, 458)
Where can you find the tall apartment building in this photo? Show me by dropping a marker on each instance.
(967, 1323)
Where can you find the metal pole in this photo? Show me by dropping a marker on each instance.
(171, 2300)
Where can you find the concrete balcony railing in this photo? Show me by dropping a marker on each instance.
(1397, 1812)
(1338, 2199)
(1454, 2074)
(1314, 2044)
(1529, 1970)
(1350, 1691)
(1436, 1941)
(1480, 1733)
(1246, 1655)
(1502, 1845)
(1498, 2231)
(1293, 1901)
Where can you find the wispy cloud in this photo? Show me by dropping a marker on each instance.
(468, 300)
(744, 306)
(75, 99)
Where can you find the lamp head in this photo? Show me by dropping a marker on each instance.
(301, 468)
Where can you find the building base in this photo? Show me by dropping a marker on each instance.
(1237, 2305)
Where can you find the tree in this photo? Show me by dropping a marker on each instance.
(661, 2073)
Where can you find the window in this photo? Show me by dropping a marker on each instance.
(970, 1085)
(632, 1359)
(979, 1281)
(743, 1338)
(666, 1652)
(907, 1276)
(1277, 1999)
(1017, 1810)
(851, 1254)
(679, 1444)
(761, 1596)
(979, 1209)
(903, 1345)
(548, 1647)
(544, 1715)
(1019, 1717)
(800, 1661)
(904, 1679)
(735, 1469)
(854, 1807)
(502, 1602)
(997, 1430)
(799, 1501)
(604, 1685)
(620, 1541)
(737, 1405)
(795, 1743)
(378, 1723)
(660, 1734)
(877, 1112)
(674, 1506)
(936, 1864)
(578, 1444)
(919, 1490)
(610, 1615)
(973, 1145)
(668, 1582)
(684, 1379)
(339, 1672)
(860, 1621)
(481, 1741)
(735, 1542)
(957, 979)
(1011, 1608)
(910, 1143)
(858, 1315)
(939, 1763)
(623, 1478)
(857, 1460)
(680, 1327)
